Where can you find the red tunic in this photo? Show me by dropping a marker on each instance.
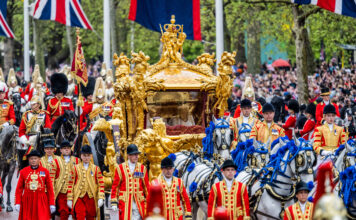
(255, 105)
(236, 201)
(289, 125)
(34, 193)
(319, 112)
(308, 129)
(175, 199)
(127, 186)
(27, 117)
(26, 92)
(294, 212)
(57, 107)
(7, 113)
(87, 108)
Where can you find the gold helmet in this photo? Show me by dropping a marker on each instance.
(328, 206)
(36, 73)
(36, 99)
(11, 78)
(103, 71)
(2, 79)
(109, 77)
(248, 90)
(99, 91)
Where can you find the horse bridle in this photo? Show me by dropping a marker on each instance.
(223, 126)
(300, 162)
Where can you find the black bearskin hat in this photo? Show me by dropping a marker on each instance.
(89, 89)
(311, 108)
(293, 105)
(59, 83)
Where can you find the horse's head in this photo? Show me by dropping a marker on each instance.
(260, 156)
(244, 130)
(222, 137)
(16, 98)
(346, 155)
(304, 159)
(8, 139)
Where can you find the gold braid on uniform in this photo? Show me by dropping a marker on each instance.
(54, 107)
(29, 123)
(95, 112)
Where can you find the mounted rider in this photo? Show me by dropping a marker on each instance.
(63, 174)
(87, 108)
(58, 104)
(175, 198)
(267, 130)
(245, 118)
(101, 108)
(325, 94)
(229, 193)
(130, 187)
(289, 125)
(329, 136)
(302, 209)
(309, 126)
(248, 93)
(32, 122)
(30, 85)
(40, 89)
(7, 114)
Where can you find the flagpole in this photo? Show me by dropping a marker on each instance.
(106, 29)
(26, 49)
(219, 25)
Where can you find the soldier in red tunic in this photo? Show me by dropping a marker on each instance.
(130, 187)
(289, 125)
(176, 203)
(58, 104)
(88, 104)
(7, 114)
(309, 126)
(325, 94)
(230, 194)
(301, 210)
(34, 196)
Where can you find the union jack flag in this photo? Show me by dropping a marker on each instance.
(4, 27)
(67, 12)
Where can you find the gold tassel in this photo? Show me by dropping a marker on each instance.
(80, 101)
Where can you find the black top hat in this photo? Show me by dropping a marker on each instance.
(329, 108)
(293, 105)
(86, 149)
(302, 186)
(65, 143)
(246, 103)
(228, 163)
(167, 163)
(325, 91)
(132, 149)
(268, 107)
(49, 143)
(33, 153)
(59, 83)
(311, 108)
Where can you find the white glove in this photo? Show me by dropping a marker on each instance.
(325, 152)
(70, 203)
(5, 124)
(100, 202)
(32, 140)
(52, 208)
(23, 101)
(23, 140)
(114, 208)
(17, 208)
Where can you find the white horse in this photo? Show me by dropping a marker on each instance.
(243, 130)
(274, 186)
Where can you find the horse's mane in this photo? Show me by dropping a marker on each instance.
(57, 124)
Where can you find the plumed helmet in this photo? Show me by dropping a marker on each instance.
(89, 89)
(329, 109)
(293, 105)
(11, 77)
(311, 108)
(59, 83)
(248, 90)
(3, 87)
(100, 89)
(167, 163)
(246, 103)
(268, 107)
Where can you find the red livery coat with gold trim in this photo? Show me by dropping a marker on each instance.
(319, 112)
(236, 201)
(174, 197)
(34, 193)
(7, 113)
(294, 212)
(129, 186)
(56, 107)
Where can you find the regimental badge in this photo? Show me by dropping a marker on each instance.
(42, 174)
(65, 104)
(274, 132)
(4, 106)
(34, 182)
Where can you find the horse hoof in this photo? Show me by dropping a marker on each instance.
(9, 209)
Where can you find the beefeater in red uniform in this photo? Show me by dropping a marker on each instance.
(289, 125)
(130, 187)
(176, 203)
(230, 194)
(34, 196)
(58, 104)
(325, 94)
